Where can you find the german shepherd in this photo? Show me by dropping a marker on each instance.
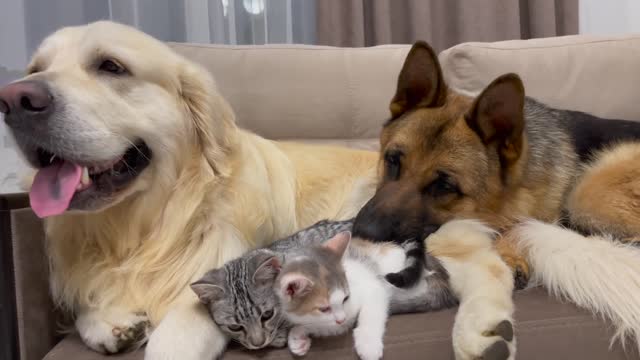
(503, 158)
(499, 157)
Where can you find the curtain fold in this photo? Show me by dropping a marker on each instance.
(443, 23)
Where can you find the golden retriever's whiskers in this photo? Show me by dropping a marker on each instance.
(129, 168)
(134, 146)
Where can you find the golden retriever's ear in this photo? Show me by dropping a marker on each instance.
(420, 83)
(212, 117)
(497, 116)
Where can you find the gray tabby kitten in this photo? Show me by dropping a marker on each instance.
(240, 296)
(241, 299)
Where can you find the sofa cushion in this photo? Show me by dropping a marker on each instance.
(300, 91)
(546, 329)
(588, 73)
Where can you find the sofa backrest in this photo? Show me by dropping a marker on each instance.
(304, 92)
(594, 74)
(318, 93)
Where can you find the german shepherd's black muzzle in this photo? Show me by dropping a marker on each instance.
(394, 215)
(407, 225)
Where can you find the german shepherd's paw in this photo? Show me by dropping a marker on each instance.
(510, 254)
(499, 350)
(113, 332)
(520, 270)
(474, 341)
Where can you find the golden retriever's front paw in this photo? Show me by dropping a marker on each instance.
(113, 332)
(130, 337)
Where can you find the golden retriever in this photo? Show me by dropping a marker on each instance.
(146, 183)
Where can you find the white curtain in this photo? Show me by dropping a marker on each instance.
(24, 23)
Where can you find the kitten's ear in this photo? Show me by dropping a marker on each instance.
(339, 243)
(268, 267)
(207, 287)
(295, 285)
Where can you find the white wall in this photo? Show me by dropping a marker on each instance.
(609, 17)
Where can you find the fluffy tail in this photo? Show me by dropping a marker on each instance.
(596, 273)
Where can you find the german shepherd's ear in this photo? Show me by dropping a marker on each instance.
(420, 83)
(497, 116)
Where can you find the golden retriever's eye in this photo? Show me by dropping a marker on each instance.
(33, 70)
(112, 67)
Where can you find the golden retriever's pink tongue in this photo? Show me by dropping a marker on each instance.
(53, 188)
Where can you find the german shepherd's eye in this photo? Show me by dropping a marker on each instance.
(392, 161)
(444, 184)
(111, 67)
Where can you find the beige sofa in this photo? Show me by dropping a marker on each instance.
(323, 94)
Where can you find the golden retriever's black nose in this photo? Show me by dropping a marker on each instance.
(25, 98)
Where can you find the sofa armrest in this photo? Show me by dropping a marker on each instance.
(26, 312)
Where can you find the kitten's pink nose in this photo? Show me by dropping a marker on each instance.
(339, 321)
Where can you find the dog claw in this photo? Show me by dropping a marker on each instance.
(504, 329)
(131, 337)
(521, 278)
(499, 350)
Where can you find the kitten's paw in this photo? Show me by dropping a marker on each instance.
(482, 339)
(113, 331)
(186, 333)
(368, 347)
(299, 342)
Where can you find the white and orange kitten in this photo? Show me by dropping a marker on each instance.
(324, 290)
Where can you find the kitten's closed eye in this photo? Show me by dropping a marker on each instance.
(324, 309)
(345, 299)
(234, 327)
